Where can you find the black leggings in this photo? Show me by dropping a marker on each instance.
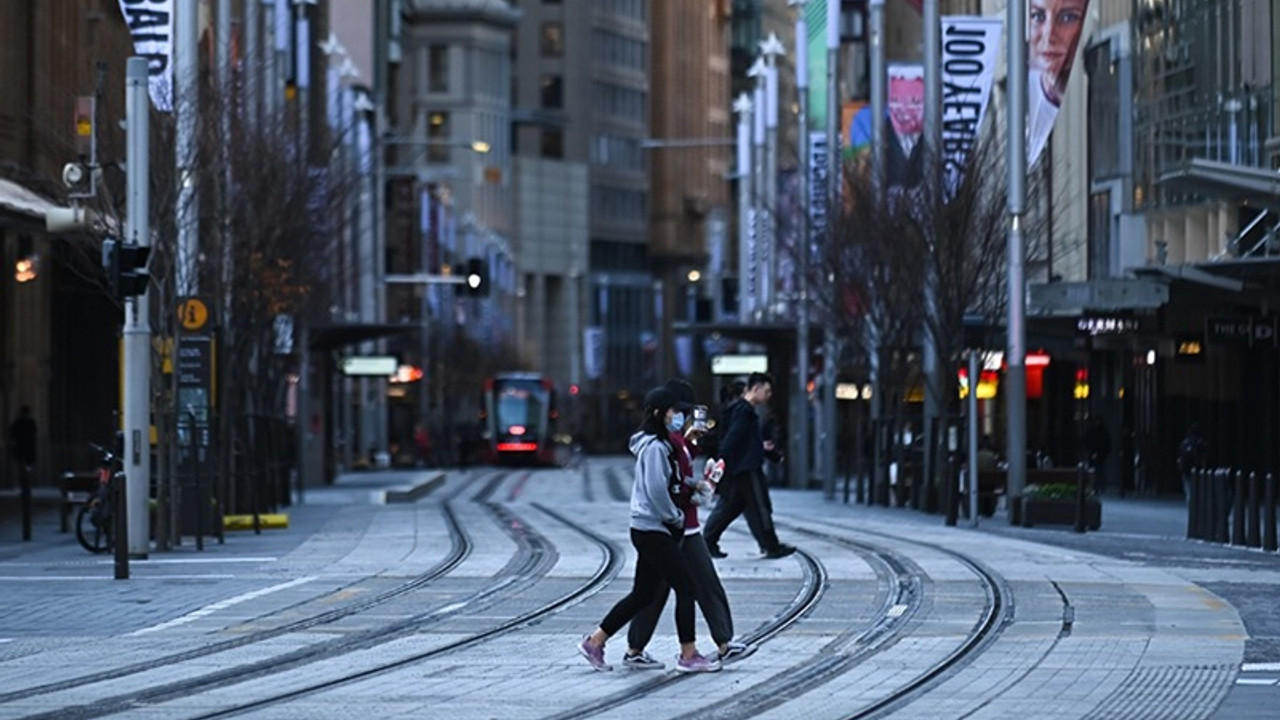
(658, 559)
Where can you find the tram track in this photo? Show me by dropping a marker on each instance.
(605, 572)
(460, 548)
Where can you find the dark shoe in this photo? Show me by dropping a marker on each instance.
(734, 651)
(642, 661)
(715, 552)
(781, 551)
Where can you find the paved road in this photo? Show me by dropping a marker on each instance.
(466, 604)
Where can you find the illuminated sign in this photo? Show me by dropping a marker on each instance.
(1107, 325)
(370, 365)
(739, 364)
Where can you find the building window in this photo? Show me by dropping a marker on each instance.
(552, 92)
(552, 39)
(552, 143)
(438, 68)
(438, 134)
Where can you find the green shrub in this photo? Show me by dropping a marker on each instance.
(1054, 491)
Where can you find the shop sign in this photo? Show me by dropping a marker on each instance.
(1107, 325)
(1253, 332)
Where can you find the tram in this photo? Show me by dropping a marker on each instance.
(519, 418)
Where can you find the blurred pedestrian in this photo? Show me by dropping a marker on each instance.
(1191, 456)
(22, 439)
(657, 529)
(422, 443)
(1097, 443)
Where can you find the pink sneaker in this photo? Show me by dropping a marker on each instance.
(697, 663)
(594, 655)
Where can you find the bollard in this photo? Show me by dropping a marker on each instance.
(120, 534)
(1237, 509)
(25, 500)
(1253, 515)
(1081, 477)
(1269, 516)
(1217, 505)
(1200, 492)
(1193, 504)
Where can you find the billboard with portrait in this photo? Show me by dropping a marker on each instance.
(1054, 29)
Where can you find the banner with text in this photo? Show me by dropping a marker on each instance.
(970, 50)
(151, 25)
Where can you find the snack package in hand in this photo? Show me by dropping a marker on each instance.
(713, 471)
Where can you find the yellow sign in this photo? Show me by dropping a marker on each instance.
(193, 314)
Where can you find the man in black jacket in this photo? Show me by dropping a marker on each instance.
(743, 490)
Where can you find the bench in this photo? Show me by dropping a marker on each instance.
(77, 489)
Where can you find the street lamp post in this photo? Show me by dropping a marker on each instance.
(799, 449)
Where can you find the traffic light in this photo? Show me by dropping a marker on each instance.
(126, 267)
(477, 277)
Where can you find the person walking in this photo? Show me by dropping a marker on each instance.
(657, 529)
(711, 597)
(743, 491)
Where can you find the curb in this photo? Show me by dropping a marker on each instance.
(412, 493)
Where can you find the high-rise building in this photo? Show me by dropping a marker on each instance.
(581, 91)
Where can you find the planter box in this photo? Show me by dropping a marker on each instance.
(1059, 511)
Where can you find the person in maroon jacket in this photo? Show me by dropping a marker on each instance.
(709, 591)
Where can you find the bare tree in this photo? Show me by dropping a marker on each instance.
(888, 243)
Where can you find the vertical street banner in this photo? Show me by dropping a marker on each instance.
(151, 25)
(1054, 28)
(904, 155)
(970, 50)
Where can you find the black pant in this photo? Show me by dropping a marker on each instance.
(744, 494)
(658, 559)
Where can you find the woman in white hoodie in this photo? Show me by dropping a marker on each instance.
(657, 527)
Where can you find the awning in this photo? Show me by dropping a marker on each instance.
(332, 337)
(1257, 186)
(17, 199)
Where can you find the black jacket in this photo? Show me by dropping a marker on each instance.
(741, 445)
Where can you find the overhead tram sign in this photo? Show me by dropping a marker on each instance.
(370, 366)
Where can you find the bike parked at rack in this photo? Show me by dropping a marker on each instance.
(95, 521)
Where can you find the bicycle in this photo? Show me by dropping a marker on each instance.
(94, 522)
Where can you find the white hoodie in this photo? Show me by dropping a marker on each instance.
(651, 502)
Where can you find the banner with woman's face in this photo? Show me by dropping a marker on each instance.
(1054, 29)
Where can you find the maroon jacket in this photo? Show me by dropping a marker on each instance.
(684, 499)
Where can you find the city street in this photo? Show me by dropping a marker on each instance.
(462, 594)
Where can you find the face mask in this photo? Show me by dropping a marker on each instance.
(677, 422)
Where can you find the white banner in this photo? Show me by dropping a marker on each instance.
(151, 25)
(970, 49)
(593, 351)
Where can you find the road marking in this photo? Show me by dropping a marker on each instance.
(39, 578)
(1256, 681)
(1260, 667)
(220, 605)
(896, 611)
(196, 561)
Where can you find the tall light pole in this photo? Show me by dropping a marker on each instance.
(1015, 357)
(770, 49)
(137, 323)
(830, 346)
(878, 180)
(932, 141)
(746, 217)
(799, 449)
(759, 224)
